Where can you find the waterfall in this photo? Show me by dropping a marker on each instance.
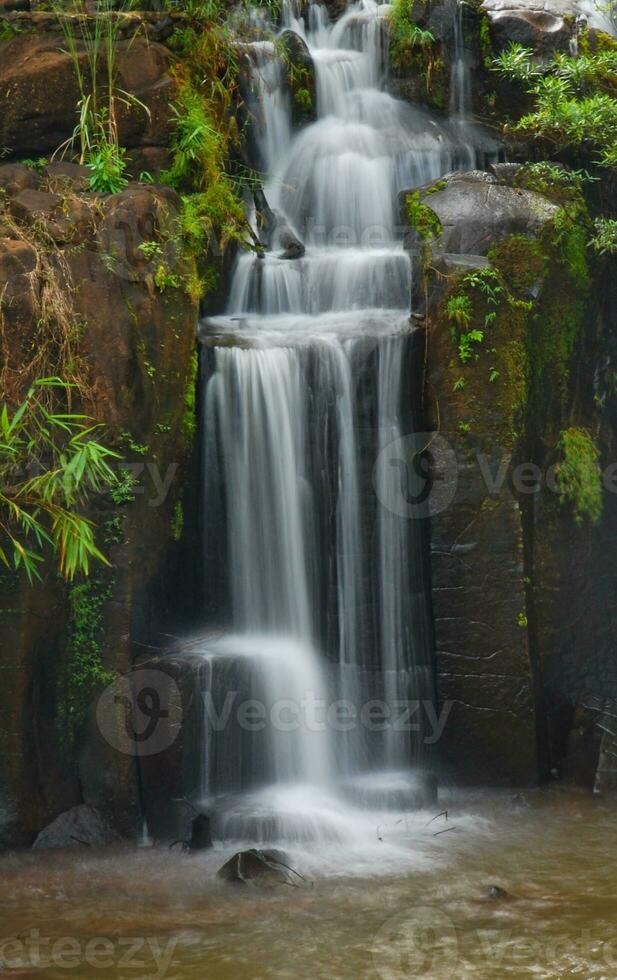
(307, 379)
(460, 81)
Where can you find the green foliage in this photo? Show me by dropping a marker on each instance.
(486, 43)
(569, 239)
(459, 310)
(42, 511)
(213, 217)
(422, 218)
(198, 147)
(604, 239)
(100, 96)
(8, 30)
(517, 62)
(574, 104)
(302, 98)
(151, 250)
(578, 474)
(123, 492)
(405, 34)
(555, 182)
(164, 279)
(108, 166)
(213, 214)
(189, 422)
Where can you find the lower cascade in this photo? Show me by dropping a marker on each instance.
(321, 630)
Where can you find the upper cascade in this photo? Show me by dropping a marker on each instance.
(335, 183)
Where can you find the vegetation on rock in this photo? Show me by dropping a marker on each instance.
(574, 105)
(578, 474)
(50, 466)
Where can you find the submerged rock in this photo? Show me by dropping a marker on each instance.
(497, 894)
(266, 868)
(81, 826)
(201, 835)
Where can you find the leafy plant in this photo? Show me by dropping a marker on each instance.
(459, 310)
(106, 161)
(50, 465)
(578, 474)
(92, 42)
(151, 250)
(604, 239)
(422, 218)
(165, 279)
(517, 62)
(405, 34)
(574, 104)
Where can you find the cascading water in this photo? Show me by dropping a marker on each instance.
(307, 380)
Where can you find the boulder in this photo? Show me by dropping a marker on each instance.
(65, 219)
(16, 177)
(543, 25)
(266, 868)
(81, 826)
(484, 666)
(63, 174)
(300, 73)
(476, 211)
(39, 93)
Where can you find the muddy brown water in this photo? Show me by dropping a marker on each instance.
(412, 902)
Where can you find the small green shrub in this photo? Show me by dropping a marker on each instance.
(108, 166)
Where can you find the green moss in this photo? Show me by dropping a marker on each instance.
(486, 41)
(520, 260)
(578, 475)
(559, 318)
(177, 524)
(189, 422)
(303, 101)
(422, 218)
(569, 238)
(84, 671)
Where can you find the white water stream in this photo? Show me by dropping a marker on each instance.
(307, 381)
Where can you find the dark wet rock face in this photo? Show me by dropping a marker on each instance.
(139, 342)
(82, 826)
(479, 600)
(300, 78)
